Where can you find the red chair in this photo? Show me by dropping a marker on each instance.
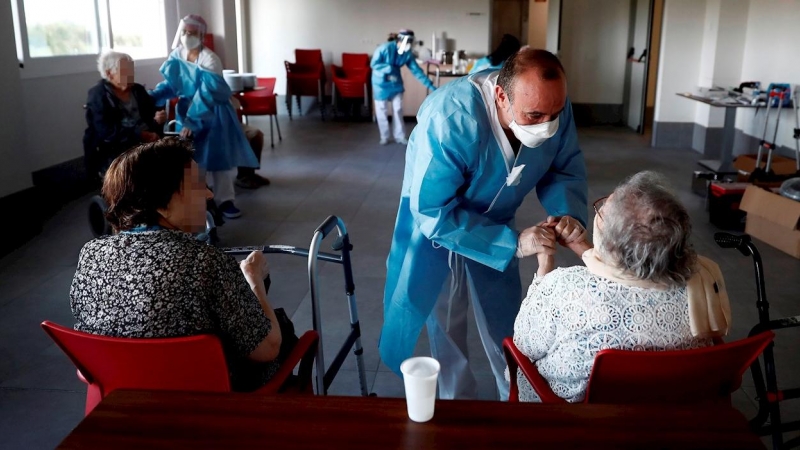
(194, 363)
(306, 76)
(628, 377)
(351, 79)
(262, 102)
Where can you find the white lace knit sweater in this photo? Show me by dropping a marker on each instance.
(571, 314)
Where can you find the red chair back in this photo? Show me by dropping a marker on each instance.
(355, 60)
(628, 377)
(208, 41)
(681, 376)
(194, 363)
(260, 102)
(308, 57)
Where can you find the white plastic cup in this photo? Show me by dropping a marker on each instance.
(419, 377)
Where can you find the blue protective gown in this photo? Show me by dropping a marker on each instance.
(484, 63)
(386, 79)
(454, 170)
(204, 107)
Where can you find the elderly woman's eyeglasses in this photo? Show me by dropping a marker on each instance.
(598, 205)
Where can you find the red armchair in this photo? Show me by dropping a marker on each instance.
(351, 79)
(305, 77)
(262, 102)
(194, 363)
(708, 374)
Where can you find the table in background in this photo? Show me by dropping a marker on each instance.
(153, 419)
(725, 163)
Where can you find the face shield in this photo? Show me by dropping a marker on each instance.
(190, 32)
(405, 39)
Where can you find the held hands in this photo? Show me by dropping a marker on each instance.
(536, 240)
(569, 233)
(160, 117)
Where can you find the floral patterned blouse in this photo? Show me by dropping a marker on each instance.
(163, 283)
(571, 314)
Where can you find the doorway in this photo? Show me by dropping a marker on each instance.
(509, 17)
(642, 72)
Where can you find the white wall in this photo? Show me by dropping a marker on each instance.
(770, 55)
(679, 65)
(14, 170)
(553, 9)
(594, 44)
(277, 27)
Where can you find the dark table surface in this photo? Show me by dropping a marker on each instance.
(153, 419)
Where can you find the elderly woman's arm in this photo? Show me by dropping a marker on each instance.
(255, 270)
(246, 320)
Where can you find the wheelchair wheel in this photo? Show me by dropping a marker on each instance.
(97, 217)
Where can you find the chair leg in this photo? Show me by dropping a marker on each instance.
(289, 103)
(321, 99)
(278, 126)
(334, 103)
(271, 134)
(299, 106)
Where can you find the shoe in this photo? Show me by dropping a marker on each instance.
(229, 211)
(384, 141)
(402, 141)
(248, 182)
(262, 181)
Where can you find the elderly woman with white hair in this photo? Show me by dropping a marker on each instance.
(643, 287)
(119, 113)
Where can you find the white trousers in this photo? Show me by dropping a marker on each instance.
(447, 331)
(398, 128)
(221, 182)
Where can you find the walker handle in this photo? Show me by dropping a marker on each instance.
(727, 240)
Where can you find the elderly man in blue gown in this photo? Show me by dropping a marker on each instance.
(482, 143)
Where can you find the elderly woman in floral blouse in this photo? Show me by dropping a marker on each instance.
(153, 279)
(643, 288)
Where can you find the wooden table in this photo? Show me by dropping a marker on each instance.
(151, 419)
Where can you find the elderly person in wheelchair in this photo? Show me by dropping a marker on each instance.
(153, 279)
(643, 287)
(119, 113)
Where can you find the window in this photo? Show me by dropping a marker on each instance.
(50, 33)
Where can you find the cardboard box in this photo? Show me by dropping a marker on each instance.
(773, 219)
(745, 164)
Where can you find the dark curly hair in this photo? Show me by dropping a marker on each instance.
(143, 180)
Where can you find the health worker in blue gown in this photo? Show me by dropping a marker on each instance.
(507, 47)
(482, 143)
(387, 83)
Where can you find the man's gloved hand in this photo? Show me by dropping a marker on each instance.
(536, 240)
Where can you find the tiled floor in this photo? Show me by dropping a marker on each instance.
(321, 169)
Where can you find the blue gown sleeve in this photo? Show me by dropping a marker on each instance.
(162, 92)
(563, 190)
(212, 92)
(419, 74)
(380, 62)
(440, 175)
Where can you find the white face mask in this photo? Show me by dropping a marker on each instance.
(533, 136)
(190, 42)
